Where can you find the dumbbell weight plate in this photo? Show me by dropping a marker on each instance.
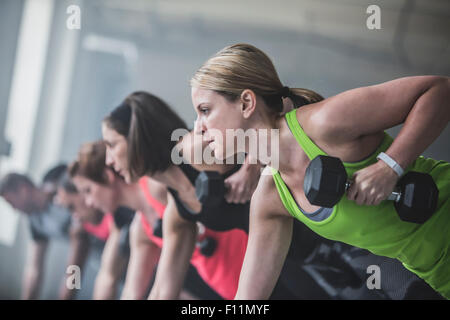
(418, 199)
(209, 188)
(157, 229)
(207, 246)
(324, 187)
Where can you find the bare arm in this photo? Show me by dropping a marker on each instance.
(269, 240)
(79, 249)
(422, 103)
(179, 243)
(112, 265)
(34, 270)
(144, 257)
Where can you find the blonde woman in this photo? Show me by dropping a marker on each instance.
(238, 88)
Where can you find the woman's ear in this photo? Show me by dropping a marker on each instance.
(248, 103)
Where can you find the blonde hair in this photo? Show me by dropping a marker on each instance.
(243, 66)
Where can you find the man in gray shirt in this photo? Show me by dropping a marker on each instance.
(46, 221)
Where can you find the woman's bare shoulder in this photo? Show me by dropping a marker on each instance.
(158, 190)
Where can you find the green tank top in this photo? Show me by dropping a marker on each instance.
(423, 249)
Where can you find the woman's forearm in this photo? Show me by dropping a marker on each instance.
(143, 261)
(268, 244)
(179, 244)
(79, 250)
(425, 122)
(172, 269)
(111, 269)
(105, 287)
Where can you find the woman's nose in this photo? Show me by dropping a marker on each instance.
(89, 202)
(108, 159)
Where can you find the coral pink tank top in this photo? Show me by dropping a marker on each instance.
(220, 271)
(102, 229)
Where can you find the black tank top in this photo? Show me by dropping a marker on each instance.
(223, 217)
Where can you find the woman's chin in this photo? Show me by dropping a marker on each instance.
(220, 154)
(108, 209)
(225, 158)
(126, 177)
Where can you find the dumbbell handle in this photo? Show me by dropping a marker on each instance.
(394, 196)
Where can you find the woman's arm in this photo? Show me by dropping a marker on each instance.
(144, 256)
(268, 244)
(79, 250)
(422, 103)
(178, 246)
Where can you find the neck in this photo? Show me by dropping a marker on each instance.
(287, 151)
(131, 196)
(266, 149)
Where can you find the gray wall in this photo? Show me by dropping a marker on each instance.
(413, 40)
(11, 258)
(10, 13)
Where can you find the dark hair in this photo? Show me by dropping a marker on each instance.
(147, 123)
(120, 119)
(13, 181)
(90, 162)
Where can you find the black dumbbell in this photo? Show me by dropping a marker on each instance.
(415, 197)
(207, 246)
(157, 229)
(210, 188)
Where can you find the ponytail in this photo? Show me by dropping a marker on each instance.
(300, 97)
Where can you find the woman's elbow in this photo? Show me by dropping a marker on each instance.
(441, 82)
(442, 91)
